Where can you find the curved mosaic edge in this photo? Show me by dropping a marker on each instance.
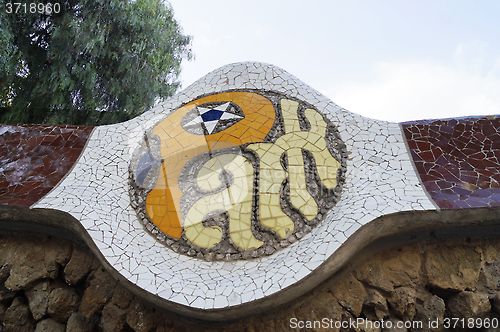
(380, 180)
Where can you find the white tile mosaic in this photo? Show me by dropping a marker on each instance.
(380, 180)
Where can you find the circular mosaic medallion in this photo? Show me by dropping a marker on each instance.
(236, 175)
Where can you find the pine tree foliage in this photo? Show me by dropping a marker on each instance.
(95, 62)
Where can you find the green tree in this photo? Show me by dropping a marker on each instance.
(94, 62)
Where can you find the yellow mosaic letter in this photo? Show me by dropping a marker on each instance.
(272, 174)
(271, 177)
(236, 200)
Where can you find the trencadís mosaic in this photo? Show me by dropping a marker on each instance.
(223, 147)
(237, 174)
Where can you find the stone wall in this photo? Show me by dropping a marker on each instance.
(50, 284)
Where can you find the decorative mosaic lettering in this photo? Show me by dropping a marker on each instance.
(236, 174)
(236, 199)
(271, 176)
(204, 184)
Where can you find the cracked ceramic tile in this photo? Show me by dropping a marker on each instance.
(375, 147)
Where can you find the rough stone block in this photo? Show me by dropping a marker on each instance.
(350, 293)
(453, 268)
(50, 325)
(63, 301)
(112, 318)
(38, 298)
(78, 266)
(28, 266)
(18, 318)
(99, 291)
(402, 302)
(78, 323)
(402, 266)
(141, 318)
(431, 310)
(469, 305)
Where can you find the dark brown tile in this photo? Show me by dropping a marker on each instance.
(463, 170)
(36, 159)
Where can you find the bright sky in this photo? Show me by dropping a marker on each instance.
(389, 60)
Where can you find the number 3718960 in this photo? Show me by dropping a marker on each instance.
(32, 8)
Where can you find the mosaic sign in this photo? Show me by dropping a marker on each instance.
(237, 174)
(235, 195)
(241, 164)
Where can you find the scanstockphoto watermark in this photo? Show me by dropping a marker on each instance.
(328, 323)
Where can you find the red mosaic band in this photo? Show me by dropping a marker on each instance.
(458, 160)
(34, 158)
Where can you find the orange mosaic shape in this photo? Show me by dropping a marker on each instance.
(179, 146)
